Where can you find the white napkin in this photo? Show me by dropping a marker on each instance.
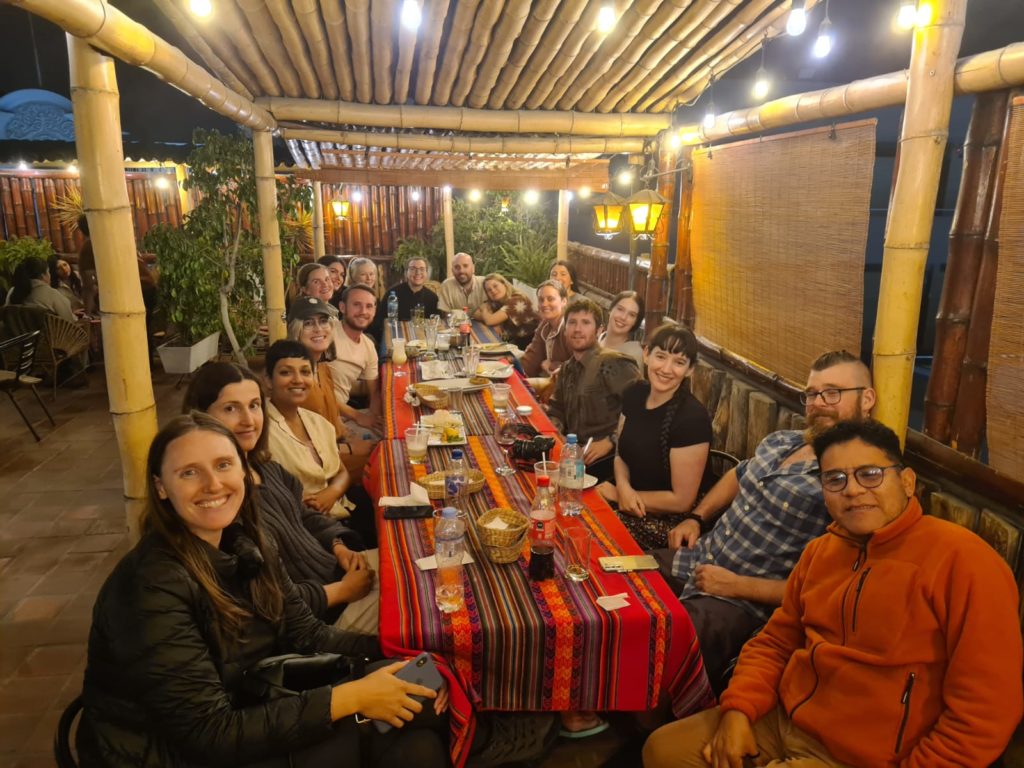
(417, 497)
(435, 369)
(429, 563)
(493, 368)
(497, 524)
(612, 602)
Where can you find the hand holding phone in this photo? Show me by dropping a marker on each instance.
(419, 671)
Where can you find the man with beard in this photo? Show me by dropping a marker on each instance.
(736, 549)
(463, 288)
(355, 362)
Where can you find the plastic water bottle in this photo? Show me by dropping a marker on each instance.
(455, 480)
(392, 307)
(571, 472)
(542, 532)
(449, 544)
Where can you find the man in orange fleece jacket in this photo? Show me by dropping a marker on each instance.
(897, 643)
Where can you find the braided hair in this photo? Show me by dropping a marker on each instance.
(675, 340)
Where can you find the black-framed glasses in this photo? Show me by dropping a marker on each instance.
(829, 396)
(868, 476)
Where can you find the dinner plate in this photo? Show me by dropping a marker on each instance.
(589, 481)
(462, 383)
(497, 348)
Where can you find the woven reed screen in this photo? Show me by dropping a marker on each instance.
(1004, 402)
(778, 236)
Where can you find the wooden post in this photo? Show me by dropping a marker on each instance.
(657, 277)
(270, 234)
(908, 231)
(966, 241)
(562, 242)
(318, 220)
(683, 272)
(180, 175)
(449, 229)
(95, 98)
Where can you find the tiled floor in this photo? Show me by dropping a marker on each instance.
(62, 529)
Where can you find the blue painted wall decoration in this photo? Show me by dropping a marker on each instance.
(36, 115)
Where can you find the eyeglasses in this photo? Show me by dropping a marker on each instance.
(418, 270)
(829, 396)
(320, 321)
(868, 476)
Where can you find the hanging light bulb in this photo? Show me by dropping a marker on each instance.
(474, 195)
(924, 14)
(415, 195)
(906, 18)
(762, 82)
(411, 15)
(823, 43)
(200, 8)
(625, 178)
(584, 192)
(531, 197)
(357, 196)
(606, 19)
(161, 182)
(22, 165)
(796, 22)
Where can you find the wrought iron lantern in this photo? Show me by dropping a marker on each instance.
(608, 215)
(341, 209)
(645, 209)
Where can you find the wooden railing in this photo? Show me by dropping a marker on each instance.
(606, 273)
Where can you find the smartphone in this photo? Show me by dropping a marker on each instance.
(419, 670)
(408, 513)
(628, 563)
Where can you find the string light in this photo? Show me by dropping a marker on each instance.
(161, 182)
(73, 168)
(474, 195)
(415, 195)
(22, 165)
(796, 22)
(906, 18)
(606, 19)
(200, 8)
(762, 83)
(447, 189)
(924, 14)
(625, 178)
(531, 197)
(823, 43)
(411, 15)
(584, 193)
(357, 196)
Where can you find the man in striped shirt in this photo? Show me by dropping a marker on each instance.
(738, 545)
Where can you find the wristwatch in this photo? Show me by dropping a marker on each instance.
(704, 526)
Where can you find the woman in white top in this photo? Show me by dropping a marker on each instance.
(624, 318)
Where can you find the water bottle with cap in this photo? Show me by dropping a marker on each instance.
(571, 472)
(455, 480)
(449, 545)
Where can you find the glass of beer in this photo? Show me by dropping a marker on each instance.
(416, 439)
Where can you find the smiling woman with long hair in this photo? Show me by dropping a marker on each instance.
(197, 602)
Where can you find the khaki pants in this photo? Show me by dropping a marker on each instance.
(362, 616)
(681, 744)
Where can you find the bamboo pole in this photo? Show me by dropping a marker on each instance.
(407, 39)
(95, 99)
(307, 13)
(683, 271)
(970, 410)
(221, 58)
(429, 48)
(357, 14)
(232, 31)
(505, 33)
(382, 25)
(270, 235)
(536, 25)
(657, 274)
(318, 220)
(267, 34)
(966, 241)
(455, 45)
(908, 230)
(562, 241)
(565, 30)
(465, 119)
(337, 36)
(107, 28)
(449, 228)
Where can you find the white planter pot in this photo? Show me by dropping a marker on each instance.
(184, 360)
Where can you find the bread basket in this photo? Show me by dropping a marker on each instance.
(506, 544)
(432, 396)
(434, 483)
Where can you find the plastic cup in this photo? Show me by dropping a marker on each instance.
(430, 336)
(416, 439)
(443, 341)
(500, 393)
(548, 469)
(577, 552)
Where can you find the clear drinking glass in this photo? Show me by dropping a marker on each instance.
(577, 552)
(416, 439)
(398, 356)
(470, 360)
(499, 394)
(505, 435)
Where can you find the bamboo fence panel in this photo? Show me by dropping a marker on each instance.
(657, 281)
(1004, 405)
(779, 228)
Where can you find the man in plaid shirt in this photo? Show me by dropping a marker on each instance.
(736, 548)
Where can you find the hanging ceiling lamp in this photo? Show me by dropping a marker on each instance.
(608, 215)
(645, 209)
(823, 43)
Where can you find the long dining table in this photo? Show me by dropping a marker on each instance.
(517, 644)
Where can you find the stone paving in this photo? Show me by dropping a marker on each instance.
(62, 529)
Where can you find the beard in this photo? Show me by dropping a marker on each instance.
(822, 422)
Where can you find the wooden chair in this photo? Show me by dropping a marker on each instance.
(60, 340)
(17, 356)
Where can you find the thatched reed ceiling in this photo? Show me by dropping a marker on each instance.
(482, 54)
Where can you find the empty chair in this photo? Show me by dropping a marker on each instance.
(17, 356)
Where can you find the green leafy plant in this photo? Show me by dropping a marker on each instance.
(211, 269)
(15, 251)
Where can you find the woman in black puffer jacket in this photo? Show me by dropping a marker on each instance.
(200, 599)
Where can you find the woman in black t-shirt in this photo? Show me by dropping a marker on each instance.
(663, 443)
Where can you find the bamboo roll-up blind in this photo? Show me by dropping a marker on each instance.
(778, 237)
(1005, 386)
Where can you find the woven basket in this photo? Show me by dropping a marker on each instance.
(506, 554)
(517, 526)
(433, 396)
(434, 483)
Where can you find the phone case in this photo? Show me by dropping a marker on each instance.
(421, 671)
(408, 513)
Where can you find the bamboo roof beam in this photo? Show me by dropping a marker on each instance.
(511, 145)
(547, 179)
(337, 36)
(407, 40)
(357, 13)
(563, 57)
(307, 13)
(741, 26)
(110, 30)
(641, 33)
(536, 23)
(466, 119)
(267, 36)
(233, 30)
(219, 55)
(514, 86)
(431, 29)
(382, 26)
(504, 36)
(681, 38)
(988, 71)
(294, 44)
(480, 39)
(748, 42)
(455, 45)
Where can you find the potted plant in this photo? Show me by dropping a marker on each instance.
(211, 268)
(15, 251)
